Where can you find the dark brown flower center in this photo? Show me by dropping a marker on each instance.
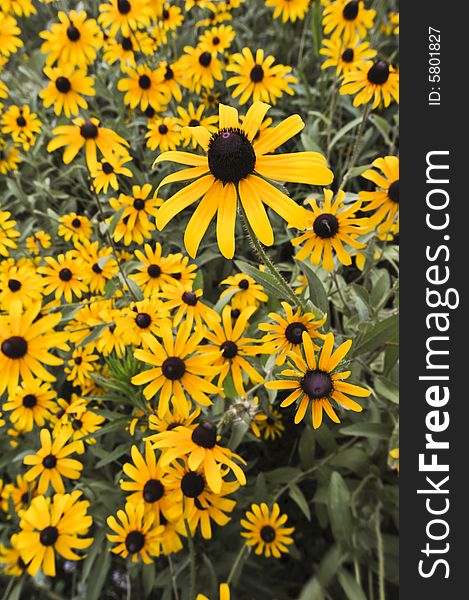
(194, 123)
(190, 298)
(243, 284)
(72, 33)
(192, 484)
(205, 435)
(76, 223)
(139, 204)
(393, 191)
(229, 349)
(143, 320)
(216, 40)
(205, 59)
(63, 85)
(29, 401)
(173, 368)
(348, 55)
(77, 424)
(350, 11)
(165, 15)
(89, 130)
(144, 82)
(49, 536)
(96, 269)
(123, 6)
(107, 168)
(21, 121)
(134, 541)
(14, 285)
(15, 347)
(163, 129)
(316, 384)
(153, 491)
(169, 74)
(65, 274)
(154, 271)
(231, 156)
(49, 461)
(126, 44)
(267, 534)
(326, 225)
(257, 74)
(235, 312)
(294, 332)
(379, 73)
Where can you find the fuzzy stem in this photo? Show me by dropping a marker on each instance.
(286, 289)
(379, 541)
(236, 563)
(193, 562)
(356, 146)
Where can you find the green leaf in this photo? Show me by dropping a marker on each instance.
(297, 495)
(326, 572)
(343, 131)
(267, 280)
(98, 574)
(306, 448)
(282, 475)
(378, 335)
(382, 126)
(375, 431)
(338, 506)
(238, 431)
(116, 217)
(112, 456)
(317, 293)
(387, 388)
(352, 590)
(148, 578)
(135, 289)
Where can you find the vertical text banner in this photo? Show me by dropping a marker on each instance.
(434, 397)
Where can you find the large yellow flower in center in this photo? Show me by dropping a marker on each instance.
(236, 168)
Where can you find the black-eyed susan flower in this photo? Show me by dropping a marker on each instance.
(192, 117)
(265, 530)
(245, 291)
(76, 228)
(135, 223)
(8, 233)
(25, 345)
(10, 33)
(21, 493)
(63, 276)
(270, 424)
(187, 304)
(347, 18)
(20, 282)
(199, 444)
(136, 535)
(235, 168)
(101, 265)
(171, 420)
(189, 489)
(20, 8)
(201, 68)
(73, 41)
(10, 558)
(37, 241)
(22, 124)
(217, 39)
(385, 200)
(223, 594)
(210, 98)
(143, 317)
(178, 370)
(394, 458)
(232, 348)
(125, 47)
(81, 364)
(315, 383)
(289, 10)
(330, 227)
(147, 481)
(31, 404)
(90, 135)
(54, 525)
(110, 338)
(163, 133)
(9, 159)
(80, 424)
(345, 56)
(259, 77)
(157, 271)
(171, 17)
(52, 461)
(106, 172)
(285, 334)
(372, 81)
(143, 88)
(66, 88)
(126, 16)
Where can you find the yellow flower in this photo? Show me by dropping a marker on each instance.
(201, 68)
(247, 292)
(289, 10)
(9, 35)
(22, 125)
(235, 167)
(63, 276)
(163, 134)
(217, 39)
(385, 200)
(347, 19)
(315, 383)
(142, 86)
(125, 16)
(344, 57)
(106, 172)
(265, 529)
(377, 81)
(66, 88)
(31, 404)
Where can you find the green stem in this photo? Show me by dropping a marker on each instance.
(356, 146)
(236, 563)
(193, 562)
(379, 541)
(287, 290)
(173, 578)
